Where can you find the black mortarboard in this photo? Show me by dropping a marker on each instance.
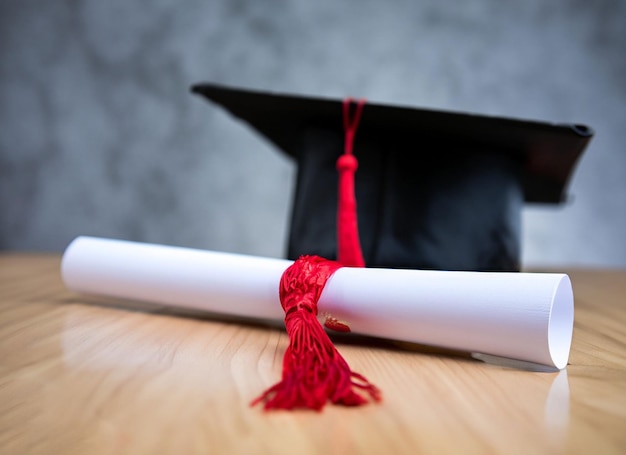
(435, 190)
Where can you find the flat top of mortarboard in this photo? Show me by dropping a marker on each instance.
(548, 151)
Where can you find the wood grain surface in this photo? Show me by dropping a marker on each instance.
(81, 375)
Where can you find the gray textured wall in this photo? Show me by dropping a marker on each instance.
(99, 135)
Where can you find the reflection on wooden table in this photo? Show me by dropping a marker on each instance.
(85, 375)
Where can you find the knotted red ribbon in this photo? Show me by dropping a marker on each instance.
(313, 370)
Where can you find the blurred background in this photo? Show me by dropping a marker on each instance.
(100, 136)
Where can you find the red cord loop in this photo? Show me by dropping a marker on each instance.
(349, 251)
(351, 122)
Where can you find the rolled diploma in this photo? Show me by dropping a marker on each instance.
(522, 316)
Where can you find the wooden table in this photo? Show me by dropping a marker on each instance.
(85, 375)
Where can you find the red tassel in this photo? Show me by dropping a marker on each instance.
(313, 370)
(348, 244)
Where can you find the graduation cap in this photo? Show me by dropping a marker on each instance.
(435, 190)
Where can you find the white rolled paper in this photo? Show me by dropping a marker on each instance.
(522, 316)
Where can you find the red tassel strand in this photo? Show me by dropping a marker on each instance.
(313, 370)
(348, 244)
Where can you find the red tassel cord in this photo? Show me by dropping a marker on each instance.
(348, 244)
(313, 370)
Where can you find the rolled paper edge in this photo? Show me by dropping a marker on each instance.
(561, 323)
